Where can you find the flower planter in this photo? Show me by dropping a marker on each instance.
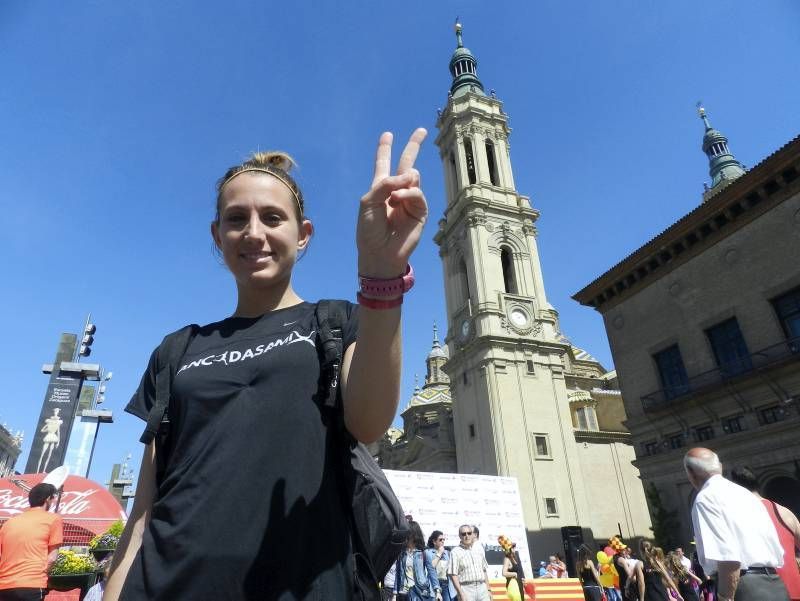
(67, 582)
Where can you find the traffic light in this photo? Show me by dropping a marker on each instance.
(87, 340)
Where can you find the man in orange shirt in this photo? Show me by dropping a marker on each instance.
(28, 545)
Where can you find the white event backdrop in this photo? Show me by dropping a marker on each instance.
(446, 501)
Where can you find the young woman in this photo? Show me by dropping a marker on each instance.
(589, 576)
(252, 475)
(685, 580)
(629, 570)
(416, 578)
(513, 573)
(657, 581)
(440, 559)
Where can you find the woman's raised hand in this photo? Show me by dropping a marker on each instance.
(392, 212)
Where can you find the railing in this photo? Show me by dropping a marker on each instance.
(767, 357)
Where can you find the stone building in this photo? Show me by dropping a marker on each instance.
(704, 326)
(426, 442)
(522, 400)
(10, 448)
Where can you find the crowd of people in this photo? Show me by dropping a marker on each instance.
(651, 575)
(746, 547)
(433, 570)
(745, 550)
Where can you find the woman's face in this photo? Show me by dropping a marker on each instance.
(439, 542)
(258, 232)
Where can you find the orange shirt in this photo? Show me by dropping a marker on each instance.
(25, 542)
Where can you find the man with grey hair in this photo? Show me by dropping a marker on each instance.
(734, 534)
(468, 569)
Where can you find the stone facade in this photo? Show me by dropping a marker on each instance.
(10, 448)
(704, 327)
(525, 401)
(426, 443)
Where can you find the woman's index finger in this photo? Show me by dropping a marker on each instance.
(383, 157)
(411, 150)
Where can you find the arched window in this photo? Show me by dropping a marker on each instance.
(507, 262)
(470, 161)
(454, 173)
(587, 418)
(463, 280)
(490, 159)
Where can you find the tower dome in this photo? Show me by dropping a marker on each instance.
(464, 69)
(722, 165)
(437, 352)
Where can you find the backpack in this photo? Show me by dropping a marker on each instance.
(379, 526)
(377, 520)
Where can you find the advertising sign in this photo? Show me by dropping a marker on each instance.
(446, 501)
(82, 499)
(85, 506)
(55, 422)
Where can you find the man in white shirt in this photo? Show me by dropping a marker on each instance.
(468, 568)
(734, 534)
(685, 561)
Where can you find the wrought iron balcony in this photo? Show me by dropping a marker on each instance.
(771, 356)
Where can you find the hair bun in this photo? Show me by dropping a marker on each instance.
(276, 159)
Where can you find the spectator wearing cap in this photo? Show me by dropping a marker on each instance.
(734, 534)
(543, 570)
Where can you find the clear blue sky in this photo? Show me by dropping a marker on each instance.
(117, 118)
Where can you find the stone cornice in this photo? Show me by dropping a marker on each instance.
(492, 341)
(771, 182)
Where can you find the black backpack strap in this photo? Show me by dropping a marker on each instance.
(331, 316)
(170, 352)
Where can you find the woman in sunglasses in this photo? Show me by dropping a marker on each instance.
(440, 559)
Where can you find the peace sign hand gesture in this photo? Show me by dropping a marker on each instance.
(392, 213)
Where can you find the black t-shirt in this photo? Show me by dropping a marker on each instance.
(621, 572)
(249, 507)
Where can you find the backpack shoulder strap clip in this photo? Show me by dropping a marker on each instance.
(330, 316)
(169, 354)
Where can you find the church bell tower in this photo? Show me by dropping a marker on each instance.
(507, 360)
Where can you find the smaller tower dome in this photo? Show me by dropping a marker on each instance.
(464, 69)
(722, 165)
(437, 357)
(437, 352)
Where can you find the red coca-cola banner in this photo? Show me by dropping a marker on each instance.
(83, 501)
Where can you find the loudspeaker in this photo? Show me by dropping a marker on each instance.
(572, 537)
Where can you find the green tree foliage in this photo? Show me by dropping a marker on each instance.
(665, 522)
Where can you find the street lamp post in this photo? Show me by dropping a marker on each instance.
(102, 416)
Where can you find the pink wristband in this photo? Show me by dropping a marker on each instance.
(392, 287)
(377, 303)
